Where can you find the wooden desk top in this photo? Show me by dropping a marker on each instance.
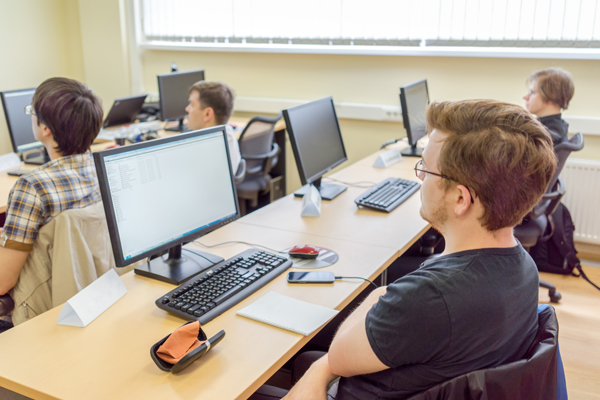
(109, 359)
(342, 219)
(7, 181)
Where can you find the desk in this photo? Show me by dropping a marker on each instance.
(110, 358)
(7, 181)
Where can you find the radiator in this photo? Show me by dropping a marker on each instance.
(582, 198)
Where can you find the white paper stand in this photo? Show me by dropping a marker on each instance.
(387, 158)
(9, 161)
(311, 203)
(92, 301)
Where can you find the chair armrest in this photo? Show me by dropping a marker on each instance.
(241, 172)
(274, 151)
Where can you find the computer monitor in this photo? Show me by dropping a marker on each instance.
(19, 126)
(173, 89)
(414, 99)
(124, 110)
(316, 139)
(164, 193)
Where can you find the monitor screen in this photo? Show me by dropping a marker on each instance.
(173, 91)
(161, 193)
(316, 139)
(414, 99)
(19, 123)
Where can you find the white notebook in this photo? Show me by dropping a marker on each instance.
(287, 313)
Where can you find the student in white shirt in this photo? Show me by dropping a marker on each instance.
(211, 104)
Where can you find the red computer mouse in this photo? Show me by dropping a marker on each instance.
(305, 251)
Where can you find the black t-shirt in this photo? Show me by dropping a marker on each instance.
(456, 314)
(557, 127)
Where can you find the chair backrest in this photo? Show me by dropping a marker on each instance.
(548, 203)
(535, 377)
(256, 140)
(69, 253)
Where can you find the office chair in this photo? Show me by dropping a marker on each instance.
(538, 225)
(538, 375)
(261, 155)
(241, 172)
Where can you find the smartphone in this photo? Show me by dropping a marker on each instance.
(311, 277)
(18, 172)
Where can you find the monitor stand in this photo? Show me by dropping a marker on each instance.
(412, 151)
(328, 191)
(177, 268)
(179, 128)
(36, 157)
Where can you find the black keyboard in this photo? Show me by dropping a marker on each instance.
(387, 194)
(210, 294)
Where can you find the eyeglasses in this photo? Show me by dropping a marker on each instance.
(29, 110)
(420, 171)
(531, 92)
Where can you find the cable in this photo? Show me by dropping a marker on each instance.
(337, 278)
(239, 242)
(353, 184)
(391, 141)
(198, 254)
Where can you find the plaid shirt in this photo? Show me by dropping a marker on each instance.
(62, 184)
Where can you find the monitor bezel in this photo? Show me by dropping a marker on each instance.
(8, 121)
(160, 90)
(109, 211)
(301, 168)
(411, 141)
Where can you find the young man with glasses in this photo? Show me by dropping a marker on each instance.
(473, 307)
(66, 117)
(550, 91)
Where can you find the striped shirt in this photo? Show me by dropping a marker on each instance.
(62, 184)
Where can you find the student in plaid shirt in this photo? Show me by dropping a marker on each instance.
(66, 117)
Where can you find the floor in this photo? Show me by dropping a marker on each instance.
(579, 331)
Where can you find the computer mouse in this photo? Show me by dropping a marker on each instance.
(304, 251)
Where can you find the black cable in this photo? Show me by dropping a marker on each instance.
(337, 278)
(198, 254)
(353, 184)
(388, 142)
(239, 242)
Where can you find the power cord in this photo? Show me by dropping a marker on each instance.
(389, 142)
(337, 278)
(359, 184)
(239, 242)
(200, 255)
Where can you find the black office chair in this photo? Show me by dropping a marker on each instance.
(539, 375)
(538, 225)
(261, 154)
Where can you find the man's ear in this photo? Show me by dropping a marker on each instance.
(462, 200)
(208, 113)
(45, 130)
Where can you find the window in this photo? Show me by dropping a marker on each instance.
(377, 24)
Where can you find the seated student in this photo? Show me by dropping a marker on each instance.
(66, 117)
(473, 307)
(211, 104)
(550, 91)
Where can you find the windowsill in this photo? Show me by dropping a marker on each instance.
(421, 51)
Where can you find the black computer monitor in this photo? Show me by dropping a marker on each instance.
(317, 142)
(414, 99)
(124, 110)
(173, 89)
(19, 126)
(166, 192)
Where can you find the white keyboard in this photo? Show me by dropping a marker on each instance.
(128, 130)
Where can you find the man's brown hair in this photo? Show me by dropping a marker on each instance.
(71, 111)
(554, 85)
(500, 151)
(218, 96)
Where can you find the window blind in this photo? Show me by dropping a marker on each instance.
(490, 23)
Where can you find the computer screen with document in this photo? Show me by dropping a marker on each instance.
(160, 194)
